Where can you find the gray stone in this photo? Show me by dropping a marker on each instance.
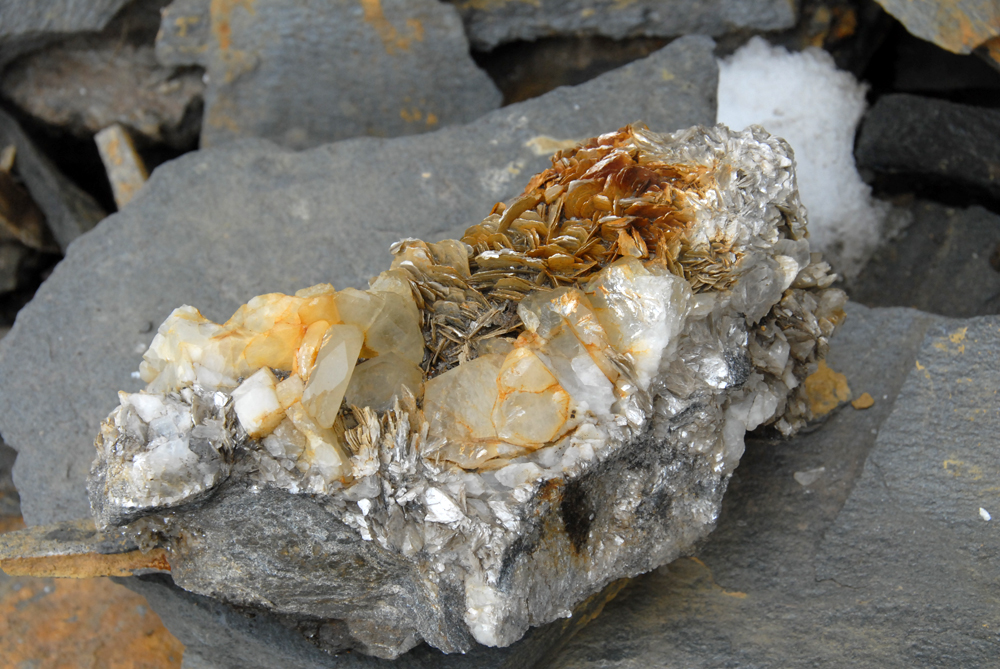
(217, 227)
(87, 84)
(26, 26)
(884, 563)
(491, 23)
(68, 210)
(375, 68)
(956, 25)
(909, 141)
(9, 502)
(940, 263)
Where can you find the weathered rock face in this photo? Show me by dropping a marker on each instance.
(493, 23)
(909, 140)
(28, 26)
(85, 85)
(956, 25)
(375, 68)
(884, 537)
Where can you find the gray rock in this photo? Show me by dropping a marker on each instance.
(87, 84)
(374, 68)
(884, 563)
(217, 227)
(26, 26)
(9, 502)
(940, 263)
(491, 23)
(68, 210)
(956, 25)
(909, 141)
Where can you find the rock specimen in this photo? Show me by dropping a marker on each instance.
(552, 402)
(491, 23)
(370, 68)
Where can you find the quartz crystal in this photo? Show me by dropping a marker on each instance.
(500, 425)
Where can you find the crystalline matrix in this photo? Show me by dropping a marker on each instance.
(501, 425)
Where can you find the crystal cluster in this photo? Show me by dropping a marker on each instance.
(500, 425)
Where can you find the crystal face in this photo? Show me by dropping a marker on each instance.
(500, 425)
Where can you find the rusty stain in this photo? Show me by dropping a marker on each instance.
(89, 623)
(826, 389)
(866, 401)
(392, 39)
(125, 168)
(708, 573)
(185, 22)
(87, 565)
(956, 25)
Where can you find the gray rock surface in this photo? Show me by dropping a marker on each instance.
(69, 212)
(878, 563)
(376, 68)
(911, 141)
(87, 84)
(25, 26)
(495, 22)
(940, 263)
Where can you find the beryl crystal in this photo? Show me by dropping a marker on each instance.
(500, 425)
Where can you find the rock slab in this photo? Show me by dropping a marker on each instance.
(908, 140)
(306, 73)
(940, 263)
(495, 22)
(25, 26)
(69, 211)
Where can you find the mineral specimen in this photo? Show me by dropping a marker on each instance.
(501, 425)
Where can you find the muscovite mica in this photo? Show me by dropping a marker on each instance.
(500, 425)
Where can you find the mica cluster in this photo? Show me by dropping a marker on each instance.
(500, 425)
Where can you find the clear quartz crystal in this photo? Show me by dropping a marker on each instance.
(435, 413)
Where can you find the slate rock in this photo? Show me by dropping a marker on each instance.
(69, 211)
(489, 24)
(956, 25)
(89, 83)
(306, 73)
(26, 26)
(909, 141)
(882, 560)
(940, 263)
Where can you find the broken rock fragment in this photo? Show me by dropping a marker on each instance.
(591, 355)
(370, 68)
(492, 23)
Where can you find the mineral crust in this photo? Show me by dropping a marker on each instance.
(500, 425)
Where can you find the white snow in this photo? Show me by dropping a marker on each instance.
(805, 99)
